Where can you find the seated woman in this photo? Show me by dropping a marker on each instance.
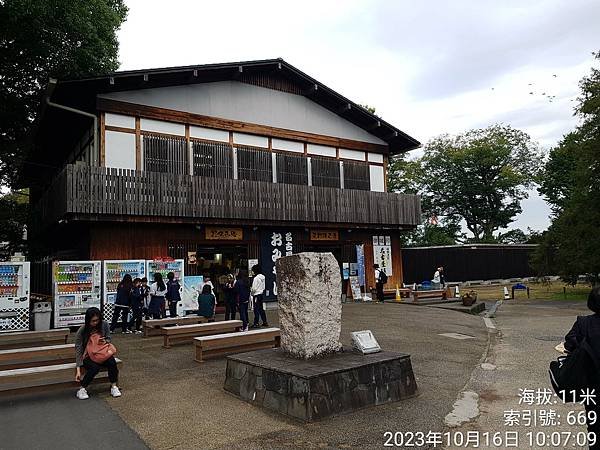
(93, 325)
(207, 303)
(588, 328)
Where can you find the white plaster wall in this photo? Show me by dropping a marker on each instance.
(209, 133)
(290, 146)
(119, 120)
(250, 139)
(375, 157)
(321, 150)
(376, 175)
(160, 126)
(119, 150)
(248, 103)
(352, 154)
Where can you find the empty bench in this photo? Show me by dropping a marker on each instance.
(153, 327)
(22, 339)
(434, 294)
(222, 344)
(20, 358)
(186, 333)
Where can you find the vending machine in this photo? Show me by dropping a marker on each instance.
(14, 296)
(114, 271)
(76, 287)
(164, 266)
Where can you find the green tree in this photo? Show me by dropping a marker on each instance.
(480, 177)
(405, 177)
(13, 215)
(571, 184)
(40, 39)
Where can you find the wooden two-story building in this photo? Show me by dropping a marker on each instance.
(217, 164)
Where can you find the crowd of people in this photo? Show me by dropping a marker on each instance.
(136, 299)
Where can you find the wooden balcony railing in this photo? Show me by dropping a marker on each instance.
(80, 191)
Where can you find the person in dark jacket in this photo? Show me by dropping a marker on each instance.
(122, 304)
(93, 324)
(207, 303)
(241, 291)
(173, 295)
(230, 298)
(588, 327)
(137, 306)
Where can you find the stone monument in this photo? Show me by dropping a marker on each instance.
(311, 377)
(310, 310)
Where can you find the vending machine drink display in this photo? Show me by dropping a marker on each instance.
(14, 296)
(76, 287)
(114, 271)
(164, 266)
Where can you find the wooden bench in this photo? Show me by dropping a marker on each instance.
(208, 346)
(186, 333)
(19, 358)
(22, 339)
(437, 294)
(153, 327)
(52, 375)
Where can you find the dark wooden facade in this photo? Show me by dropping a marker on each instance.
(183, 184)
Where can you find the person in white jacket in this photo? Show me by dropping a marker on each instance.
(257, 291)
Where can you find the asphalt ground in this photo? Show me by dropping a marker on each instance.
(172, 402)
(521, 349)
(58, 420)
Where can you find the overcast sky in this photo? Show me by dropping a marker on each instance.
(429, 67)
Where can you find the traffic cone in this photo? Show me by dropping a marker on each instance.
(456, 292)
(398, 297)
(506, 295)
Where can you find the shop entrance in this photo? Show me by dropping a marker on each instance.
(217, 262)
(211, 261)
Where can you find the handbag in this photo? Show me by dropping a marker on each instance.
(98, 352)
(572, 375)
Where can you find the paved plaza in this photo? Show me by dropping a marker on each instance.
(171, 402)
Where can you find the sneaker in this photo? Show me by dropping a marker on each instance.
(265, 324)
(127, 332)
(255, 326)
(82, 394)
(137, 331)
(115, 392)
(245, 329)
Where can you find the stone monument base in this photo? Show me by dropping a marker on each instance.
(316, 389)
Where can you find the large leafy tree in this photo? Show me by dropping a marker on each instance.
(40, 39)
(405, 176)
(48, 38)
(571, 184)
(480, 177)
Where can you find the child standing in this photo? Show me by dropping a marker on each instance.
(157, 296)
(173, 295)
(146, 297)
(137, 305)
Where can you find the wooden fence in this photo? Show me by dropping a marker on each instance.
(84, 190)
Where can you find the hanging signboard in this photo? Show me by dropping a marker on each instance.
(324, 235)
(360, 264)
(223, 234)
(274, 245)
(382, 253)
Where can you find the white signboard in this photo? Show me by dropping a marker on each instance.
(382, 255)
